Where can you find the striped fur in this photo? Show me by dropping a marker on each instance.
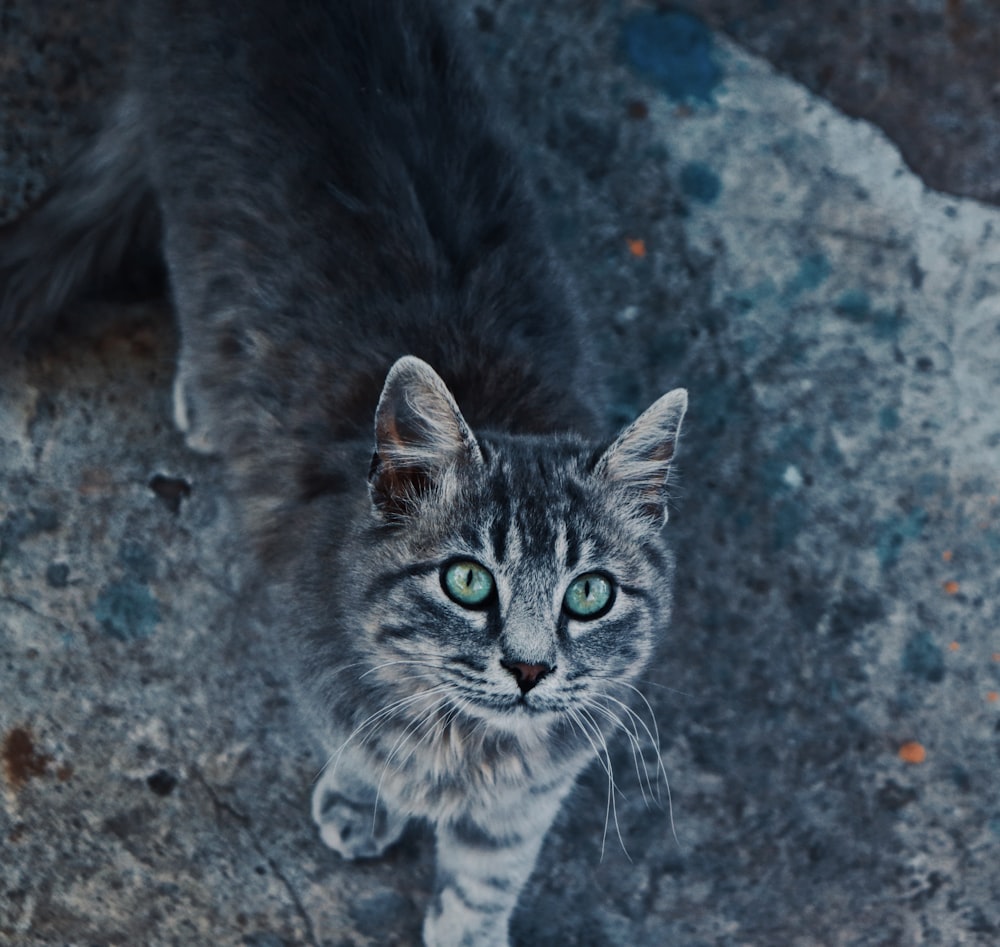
(338, 211)
(412, 688)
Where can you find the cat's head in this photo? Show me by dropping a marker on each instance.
(520, 577)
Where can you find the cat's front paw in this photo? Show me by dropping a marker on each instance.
(353, 827)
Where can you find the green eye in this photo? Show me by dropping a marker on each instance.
(589, 596)
(467, 583)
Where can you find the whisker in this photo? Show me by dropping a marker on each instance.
(411, 728)
(634, 718)
(655, 738)
(578, 721)
(376, 718)
(663, 687)
(385, 664)
(633, 740)
(612, 785)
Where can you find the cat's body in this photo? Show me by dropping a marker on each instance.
(470, 606)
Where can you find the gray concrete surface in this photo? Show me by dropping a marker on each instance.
(837, 524)
(925, 71)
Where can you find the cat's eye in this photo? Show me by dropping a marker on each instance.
(467, 583)
(589, 596)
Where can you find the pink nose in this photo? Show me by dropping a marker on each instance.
(527, 675)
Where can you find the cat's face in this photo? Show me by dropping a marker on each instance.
(519, 589)
(518, 578)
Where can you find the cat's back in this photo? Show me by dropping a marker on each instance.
(332, 173)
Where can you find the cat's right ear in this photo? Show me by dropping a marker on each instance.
(638, 463)
(419, 434)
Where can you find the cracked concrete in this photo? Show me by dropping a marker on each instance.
(837, 525)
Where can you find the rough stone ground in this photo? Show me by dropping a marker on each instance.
(837, 523)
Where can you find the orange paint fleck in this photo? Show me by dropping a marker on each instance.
(954, 646)
(637, 247)
(912, 752)
(996, 656)
(951, 587)
(992, 696)
(947, 555)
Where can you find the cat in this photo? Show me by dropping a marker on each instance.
(469, 594)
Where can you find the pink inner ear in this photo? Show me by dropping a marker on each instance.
(664, 452)
(395, 489)
(419, 432)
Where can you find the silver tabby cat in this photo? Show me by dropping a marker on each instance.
(474, 591)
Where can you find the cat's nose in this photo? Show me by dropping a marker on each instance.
(527, 675)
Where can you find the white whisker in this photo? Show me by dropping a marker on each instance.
(634, 745)
(654, 737)
(377, 718)
(411, 728)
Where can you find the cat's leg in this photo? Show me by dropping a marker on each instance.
(353, 818)
(483, 861)
(99, 220)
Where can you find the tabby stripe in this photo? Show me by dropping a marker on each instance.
(489, 907)
(386, 581)
(473, 835)
(499, 529)
(543, 789)
(656, 557)
(635, 592)
(572, 547)
(426, 611)
(471, 536)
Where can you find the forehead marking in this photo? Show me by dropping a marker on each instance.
(562, 543)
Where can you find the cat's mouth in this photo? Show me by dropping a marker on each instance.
(530, 705)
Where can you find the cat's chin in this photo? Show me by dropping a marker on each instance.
(519, 715)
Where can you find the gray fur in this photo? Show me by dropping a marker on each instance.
(338, 212)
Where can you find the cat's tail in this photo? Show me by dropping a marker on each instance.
(97, 226)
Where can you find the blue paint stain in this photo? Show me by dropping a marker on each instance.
(700, 182)
(137, 560)
(813, 272)
(748, 299)
(993, 541)
(854, 305)
(888, 418)
(895, 532)
(923, 658)
(786, 524)
(674, 50)
(886, 324)
(126, 610)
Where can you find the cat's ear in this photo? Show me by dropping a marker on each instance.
(419, 434)
(637, 464)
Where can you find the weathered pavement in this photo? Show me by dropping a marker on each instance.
(837, 525)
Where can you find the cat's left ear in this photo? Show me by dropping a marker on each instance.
(638, 463)
(419, 434)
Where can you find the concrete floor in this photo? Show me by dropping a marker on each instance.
(827, 699)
